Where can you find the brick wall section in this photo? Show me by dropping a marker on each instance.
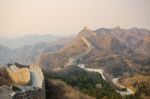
(34, 90)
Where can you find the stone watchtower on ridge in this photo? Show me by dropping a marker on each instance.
(86, 32)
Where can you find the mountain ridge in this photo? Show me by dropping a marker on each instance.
(111, 50)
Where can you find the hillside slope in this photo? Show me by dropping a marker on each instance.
(116, 50)
(57, 89)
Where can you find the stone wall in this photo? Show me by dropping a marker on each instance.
(34, 89)
(19, 75)
(22, 92)
(33, 93)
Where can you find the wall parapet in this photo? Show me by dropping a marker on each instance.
(34, 89)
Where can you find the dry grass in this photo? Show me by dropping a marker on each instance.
(4, 78)
(59, 59)
(128, 82)
(60, 90)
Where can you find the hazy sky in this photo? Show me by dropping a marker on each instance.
(21, 17)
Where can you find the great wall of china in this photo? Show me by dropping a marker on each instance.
(27, 83)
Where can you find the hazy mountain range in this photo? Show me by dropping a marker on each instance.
(27, 40)
(118, 51)
(26, 49)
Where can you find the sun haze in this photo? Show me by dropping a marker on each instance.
(65, 17)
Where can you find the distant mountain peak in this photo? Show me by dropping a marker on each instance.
(118, 27)
(86, 32)
(85, 28)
